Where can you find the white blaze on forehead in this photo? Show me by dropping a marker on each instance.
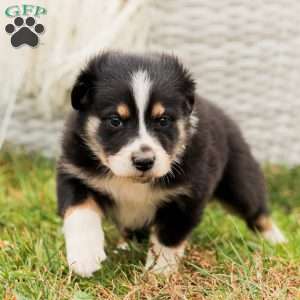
(141, 87)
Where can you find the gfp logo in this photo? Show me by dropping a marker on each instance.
(24, 30)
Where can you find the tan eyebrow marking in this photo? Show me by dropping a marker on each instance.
(123, 111)
(157, 110)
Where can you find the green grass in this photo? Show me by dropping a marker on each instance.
(224, 260)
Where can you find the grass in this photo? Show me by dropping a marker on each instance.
(224, 260)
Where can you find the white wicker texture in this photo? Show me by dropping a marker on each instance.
(39, 79)
(244, 54)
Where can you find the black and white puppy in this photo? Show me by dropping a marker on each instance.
(144, 149)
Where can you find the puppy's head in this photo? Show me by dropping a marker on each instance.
(136, 112)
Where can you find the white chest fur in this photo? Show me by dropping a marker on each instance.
(136, 203)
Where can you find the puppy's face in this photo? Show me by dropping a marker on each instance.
(136, 112)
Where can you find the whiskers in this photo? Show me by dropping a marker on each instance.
(175, 171)
(177, 167)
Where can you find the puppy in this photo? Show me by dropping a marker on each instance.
(142, 148)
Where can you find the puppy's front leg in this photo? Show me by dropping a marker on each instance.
(84, 237)
(173, 223)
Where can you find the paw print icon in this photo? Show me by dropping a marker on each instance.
(24, 33)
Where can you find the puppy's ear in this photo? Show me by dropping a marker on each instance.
(80, 93)
(188, 89)
(181, 78)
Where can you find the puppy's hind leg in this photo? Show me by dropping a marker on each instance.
(242, 189)
(269, 229)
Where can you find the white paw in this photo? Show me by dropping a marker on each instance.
(274, 235)
(161, 259)
(161, 265)
(122, 246)
(84, 241)
(84, 260)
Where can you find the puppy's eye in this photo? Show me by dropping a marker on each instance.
(115, 121)
(164, 121)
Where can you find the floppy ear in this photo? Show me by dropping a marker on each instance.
(81, 92)
(79, 95)
(189, 92)
(183, 79)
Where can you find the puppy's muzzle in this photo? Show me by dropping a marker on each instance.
(143, 164)
(143, 160)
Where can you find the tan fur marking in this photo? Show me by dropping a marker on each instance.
(263, 223)
(88, 203)
(157, 110)
(92, 127)
(181, 144)
(123, 111)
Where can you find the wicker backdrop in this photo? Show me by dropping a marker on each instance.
(244, 54)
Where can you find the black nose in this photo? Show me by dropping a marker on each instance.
(143, 164)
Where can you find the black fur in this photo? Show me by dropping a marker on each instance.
(216, 162)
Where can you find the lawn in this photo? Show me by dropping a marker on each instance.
(224, 260)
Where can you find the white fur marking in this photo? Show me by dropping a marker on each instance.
(162, 259)
(274, 235)
(141, 85)
(123, 246)
(136, 202)
(120, 163)
(84, 241)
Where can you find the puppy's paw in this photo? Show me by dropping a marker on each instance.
(84, 241)
(269, 230)
(161, 259)
(85, 259)
(161, 266)
(121, 246)
(274, 235)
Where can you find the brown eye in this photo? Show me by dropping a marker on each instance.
(164, 121)
(115, 121)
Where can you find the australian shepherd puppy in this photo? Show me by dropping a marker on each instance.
(142, 148)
